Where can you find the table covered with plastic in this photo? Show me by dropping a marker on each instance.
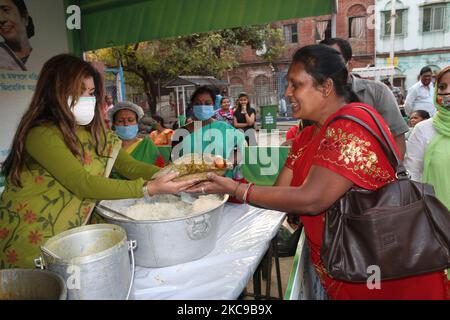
(244, 237)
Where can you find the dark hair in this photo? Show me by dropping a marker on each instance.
(242, 94)
(201, 90)
(422, 113)
(425, 69)
(344, 46)
(20, 4)
(61, 76)
(387, 82)
(322, 63)
(223, 98)
(159, 119)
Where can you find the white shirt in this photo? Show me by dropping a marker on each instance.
(416, 146)
(420, 97)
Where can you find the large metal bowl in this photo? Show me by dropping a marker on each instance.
(162, 243)
(30, 284)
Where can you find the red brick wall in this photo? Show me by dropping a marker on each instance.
(363, 49)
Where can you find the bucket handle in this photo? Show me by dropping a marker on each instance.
(39, 263)
(132, 244)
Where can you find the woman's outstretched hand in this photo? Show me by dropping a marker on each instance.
(165, 185)
(215, 185)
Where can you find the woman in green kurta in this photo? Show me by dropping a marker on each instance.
(60, 159)
(124, 117)
(205, 134)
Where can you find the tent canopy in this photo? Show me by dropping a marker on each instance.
(106, 23)
(181, 81)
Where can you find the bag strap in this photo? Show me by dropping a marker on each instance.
(400, 170)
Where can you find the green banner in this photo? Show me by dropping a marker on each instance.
(107, 23)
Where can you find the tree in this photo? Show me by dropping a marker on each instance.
(210, 53)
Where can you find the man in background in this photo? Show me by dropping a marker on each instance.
(374, 93)
(420, 95)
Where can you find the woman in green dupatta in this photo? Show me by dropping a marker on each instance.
(205, 134)
(124, 117)
(428, 147)
(59, 162)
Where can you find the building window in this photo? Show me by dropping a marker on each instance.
(262, 85)
(236, 88)
(323, 30)
(357, 27)
(399, 22)
(433, 18)
(263, 93)
(290, 33)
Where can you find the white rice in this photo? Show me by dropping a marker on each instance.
(170, 207)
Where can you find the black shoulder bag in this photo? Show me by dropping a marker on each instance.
(402, 227)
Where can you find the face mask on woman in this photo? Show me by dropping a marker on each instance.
(203, 112)
(83, 110)
(127, 132)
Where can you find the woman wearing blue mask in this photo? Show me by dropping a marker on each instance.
(124, 117)
(205, 134)
(60, 160)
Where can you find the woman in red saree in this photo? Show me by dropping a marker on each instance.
(326, 161)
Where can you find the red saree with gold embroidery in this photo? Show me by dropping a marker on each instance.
(351, 151)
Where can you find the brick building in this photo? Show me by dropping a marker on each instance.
(265, 83)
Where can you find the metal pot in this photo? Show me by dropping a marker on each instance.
(164, 243)
(93, 260)
(30, 284)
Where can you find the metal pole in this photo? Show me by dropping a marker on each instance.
(391, 54)
(178, 106)
(122, 81)
(333, 19)
(184, 101)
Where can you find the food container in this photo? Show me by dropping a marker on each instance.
(93, 260)
(162, 243)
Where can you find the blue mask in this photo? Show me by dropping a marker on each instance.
(203, 112)
(127, 132)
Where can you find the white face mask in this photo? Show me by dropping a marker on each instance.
(83, 110)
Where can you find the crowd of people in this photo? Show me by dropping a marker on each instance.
(52, 191)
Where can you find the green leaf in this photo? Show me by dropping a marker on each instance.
(61, 193)
(45, 225)
(16, 237)
(11, 218)
(8, 205)
(46, 198)
(51, 184)
(50, 218)
(41, 219)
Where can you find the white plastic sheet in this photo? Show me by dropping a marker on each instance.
(244, 237)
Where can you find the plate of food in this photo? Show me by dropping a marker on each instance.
(196, 166)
